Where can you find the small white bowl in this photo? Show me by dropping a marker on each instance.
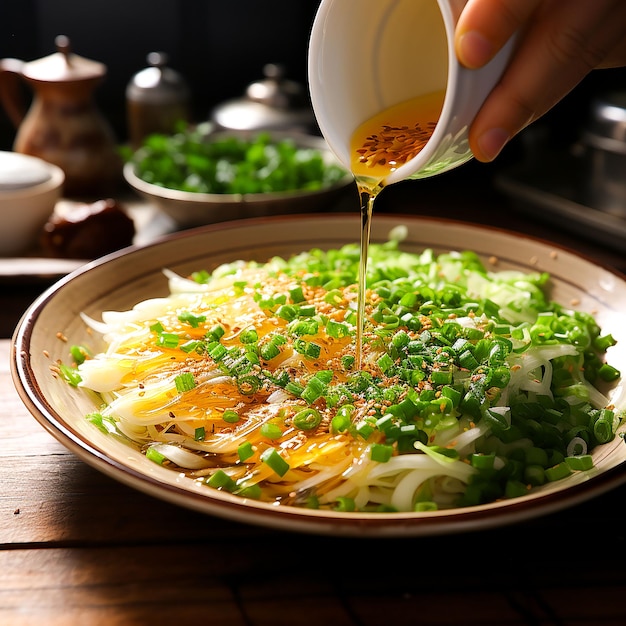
(29, 190)
(366, 56)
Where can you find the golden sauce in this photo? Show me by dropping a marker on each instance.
(378, 147)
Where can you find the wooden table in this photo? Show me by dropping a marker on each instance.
(78, 548)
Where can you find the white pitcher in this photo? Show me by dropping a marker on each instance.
(368, 55)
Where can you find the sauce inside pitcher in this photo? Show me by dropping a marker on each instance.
(378, 147)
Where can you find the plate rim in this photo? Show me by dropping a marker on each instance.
(292, 519)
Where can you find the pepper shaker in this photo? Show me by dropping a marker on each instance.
(157, 99)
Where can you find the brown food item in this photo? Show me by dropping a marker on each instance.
(88, 231)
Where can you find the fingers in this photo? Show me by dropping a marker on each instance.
(484, 26)
(560, 44)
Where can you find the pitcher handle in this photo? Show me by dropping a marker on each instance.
(11, 94)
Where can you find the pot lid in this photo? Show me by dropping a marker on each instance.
(275, 90)
(273, 102)
(63, 65)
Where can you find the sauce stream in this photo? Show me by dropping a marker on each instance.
(378, 147)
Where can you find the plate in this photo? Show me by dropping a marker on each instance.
(121, 279)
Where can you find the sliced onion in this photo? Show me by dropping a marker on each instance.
(576, 446)
(404, 494)
(181, 457)
(280, 395)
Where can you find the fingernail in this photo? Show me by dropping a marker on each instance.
(474, 49)
(491, 143)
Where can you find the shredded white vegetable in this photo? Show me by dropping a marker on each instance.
(473, 385)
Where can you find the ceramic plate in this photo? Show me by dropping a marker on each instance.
(120, 280)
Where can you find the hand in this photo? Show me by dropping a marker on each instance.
(559, 43)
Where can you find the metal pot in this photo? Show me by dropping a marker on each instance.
(604, 149)
(273, 103)
(157, 100)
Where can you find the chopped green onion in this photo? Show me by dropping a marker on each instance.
(154, 455)
(245, 451)
(271, 431)
(251, 491)
(287, 312)
(365, 429)
(230, 416)
(307, 419)
(70, 375)
(105, 424)
(157, 328)
(296, 294)
(249, 335)
(422, 507)
(189, 318)
(608, 373)
(582, 462)
(342, 421)
(248, 385)
(345, 504)
(307, 348)
(193, 345)
(337, 330)
(221, 480)
(79, 354)
(515, 489)
(184, 382)
(381, 453)
(168, 340)
(558, 472)
(217, 351)
(347, 361)
(215, 333)
(269, 351)
(276, 462)
(314, 389)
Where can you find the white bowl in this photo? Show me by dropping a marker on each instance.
(366, 56)
(29, 190)
(188, 209)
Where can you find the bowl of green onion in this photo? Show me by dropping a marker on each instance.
(198, 176)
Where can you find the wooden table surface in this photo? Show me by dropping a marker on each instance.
(77, 547)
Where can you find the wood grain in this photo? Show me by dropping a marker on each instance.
(76, 547)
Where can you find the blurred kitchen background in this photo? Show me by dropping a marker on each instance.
(219, 48)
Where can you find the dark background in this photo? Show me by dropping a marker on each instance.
(219, 48)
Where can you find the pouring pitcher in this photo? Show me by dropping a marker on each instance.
(368, 56)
